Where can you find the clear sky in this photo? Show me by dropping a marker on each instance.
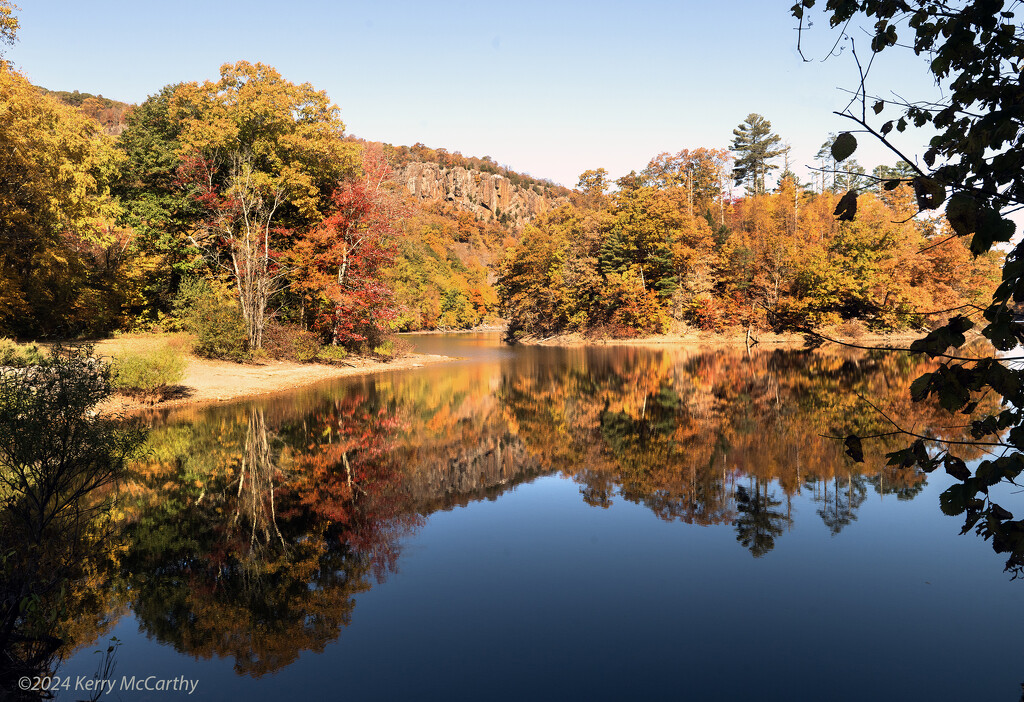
(549, 88)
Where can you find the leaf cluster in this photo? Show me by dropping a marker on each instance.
(975, 168)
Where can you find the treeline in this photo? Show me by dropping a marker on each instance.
(670, 249)
(234, 208)
(112, 114)
(238, 209)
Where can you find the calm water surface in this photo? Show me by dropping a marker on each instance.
(606, 523)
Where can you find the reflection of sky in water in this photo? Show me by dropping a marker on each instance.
(536, 595)
(539, 595)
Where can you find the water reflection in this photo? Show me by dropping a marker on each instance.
(678, 433)
(251, 532)
(59, 539)
(250, 529)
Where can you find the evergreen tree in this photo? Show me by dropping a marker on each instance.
(756, 146)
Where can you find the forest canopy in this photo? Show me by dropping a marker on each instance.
(238, 209)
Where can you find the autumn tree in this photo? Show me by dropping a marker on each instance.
(263, 155)
(8, 25)
(439, 275)
(756, 146)
(60, 254)
(972, 165)
(593, 184)
(338, 263)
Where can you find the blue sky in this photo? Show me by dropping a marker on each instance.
(550, 88)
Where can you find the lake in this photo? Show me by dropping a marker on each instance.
(609, 522)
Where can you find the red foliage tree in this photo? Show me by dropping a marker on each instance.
(338, 263)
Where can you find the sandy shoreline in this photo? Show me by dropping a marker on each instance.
(208, 381)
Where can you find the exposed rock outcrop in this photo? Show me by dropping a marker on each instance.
(488, 196)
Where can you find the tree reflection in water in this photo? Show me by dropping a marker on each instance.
(758, 522)
(838, 504)
(252, 544)
(249, 530)
(676, 431)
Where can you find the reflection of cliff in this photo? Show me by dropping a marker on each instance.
(250, 530)
(446, 476)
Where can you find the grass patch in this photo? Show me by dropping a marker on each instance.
(13, 354)
(149, 372)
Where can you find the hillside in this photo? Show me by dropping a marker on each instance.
(464, 214)
(487, 196)
(112, 114)
(460, 215)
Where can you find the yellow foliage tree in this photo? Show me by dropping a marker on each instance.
(55, 210)
(262, 153)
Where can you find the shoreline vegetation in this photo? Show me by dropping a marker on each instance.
(208, 381)
(893, 341)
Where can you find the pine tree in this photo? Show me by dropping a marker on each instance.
(756, 146)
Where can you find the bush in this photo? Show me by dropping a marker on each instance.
(220, 331)
(392, 347)
(332, 354)
(56, 456)
(210, 312)
(385, 349)
(290, 342)
(852, 329)
(150, 373)
(17, 355)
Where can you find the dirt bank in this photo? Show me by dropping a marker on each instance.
(209, 381)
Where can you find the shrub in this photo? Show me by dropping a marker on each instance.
(210, 312)
(290, 342)
(17, 355)
(392, 347)
(385, 349)
(220, 331)
(332, 354)
(149, 373)
(851, 329)
(56, 456)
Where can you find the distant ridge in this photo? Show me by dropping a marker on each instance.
(111, 114)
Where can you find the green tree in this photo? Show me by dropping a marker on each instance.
(756, 146)
(839, 175)
(162, 213)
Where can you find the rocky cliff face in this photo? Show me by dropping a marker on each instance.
(487, 195)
